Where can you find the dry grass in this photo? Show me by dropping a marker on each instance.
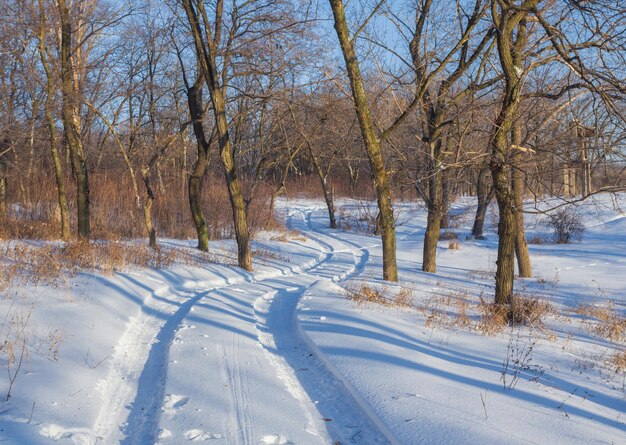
(47, 263)
(284, 235)
(607, 323)
(524, 311)
(618, 361)
(361, 293)
(451, 311)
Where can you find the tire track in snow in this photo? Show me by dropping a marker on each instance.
(127, 365)
(123, 417)
(308, 376)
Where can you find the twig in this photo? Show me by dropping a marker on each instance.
(31, 413)
(484, 401)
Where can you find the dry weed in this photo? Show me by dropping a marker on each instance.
(618, 361)
(609, 324)
(24, 264)
(523, 311)
(361, 293)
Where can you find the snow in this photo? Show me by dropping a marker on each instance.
(208, 353)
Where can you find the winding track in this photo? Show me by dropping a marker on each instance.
(137, 410)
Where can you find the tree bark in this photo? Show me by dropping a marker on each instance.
(372, 144)
(3, 179)
(71, 122)
(435, 208)
(147, 207)
(517, 177)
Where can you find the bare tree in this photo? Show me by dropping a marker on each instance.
(370, 140)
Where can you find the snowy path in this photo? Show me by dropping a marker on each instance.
(258, 376)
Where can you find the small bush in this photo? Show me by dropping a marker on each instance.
(567, 226)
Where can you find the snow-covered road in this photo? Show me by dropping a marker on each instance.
(235, 348)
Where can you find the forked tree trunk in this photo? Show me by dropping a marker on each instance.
(372, 144)
(517, 177)
(511, 40)
(56, 157)
(70, 113)
(206, 54)
(194, 99)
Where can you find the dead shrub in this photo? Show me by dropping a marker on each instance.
(567, 225)
(454, 245)
(448, 236)
(536, 240)
(530, 311)
(493, 317)
(116, 215)
(523, 311)
(618, 361)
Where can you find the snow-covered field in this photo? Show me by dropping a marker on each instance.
(209, 353)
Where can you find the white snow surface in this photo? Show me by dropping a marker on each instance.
(210, 353)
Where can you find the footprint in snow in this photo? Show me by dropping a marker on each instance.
(196, 435)
(275, 439)
(164, 433)
(173, 403)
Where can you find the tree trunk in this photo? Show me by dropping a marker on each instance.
(328, 192)
(3, 180)
(71, 122)
(511, 39)
(517, 178)
(372, 144)
(237, 202)
(147, 208)
(445, 199)
(507, 224)
(484, 194)
(435, 209)
(194, 99)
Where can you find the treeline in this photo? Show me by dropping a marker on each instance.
(131, 118)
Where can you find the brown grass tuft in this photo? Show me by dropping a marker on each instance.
(523, 311)
(618, 361)
(609, 324)
(362, 294)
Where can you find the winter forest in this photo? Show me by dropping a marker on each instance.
(313, 221)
